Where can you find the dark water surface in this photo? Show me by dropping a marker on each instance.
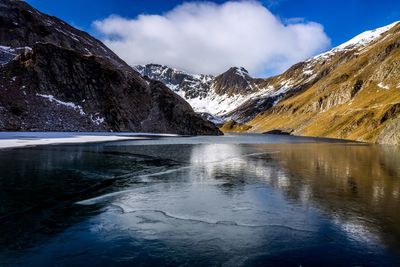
(252, 200)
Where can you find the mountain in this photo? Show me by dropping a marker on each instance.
(232, 95)
(187, 85)
(350, 92)
(207, 94)
(54, 77)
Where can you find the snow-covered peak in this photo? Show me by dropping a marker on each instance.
(359, 41)
(238, 72)
(184, 84)
(205, 93)
(241, 72)
(157, 71)
(367, 36)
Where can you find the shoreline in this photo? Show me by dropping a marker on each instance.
(322, 138)
(10, 140)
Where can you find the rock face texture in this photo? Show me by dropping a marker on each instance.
(207, 94)
(54, 77)
(351, 92)
(186, 85)
(235, 81)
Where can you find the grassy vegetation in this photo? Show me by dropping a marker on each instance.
(358, 95)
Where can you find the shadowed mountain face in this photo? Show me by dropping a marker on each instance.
(57, 78)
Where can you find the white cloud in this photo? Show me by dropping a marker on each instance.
(204, 37)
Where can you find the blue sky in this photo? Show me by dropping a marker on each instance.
(341, 19)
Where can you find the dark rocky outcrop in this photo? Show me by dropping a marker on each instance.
(191, 86)
(62, 79)
(278, 132)
(234, 81)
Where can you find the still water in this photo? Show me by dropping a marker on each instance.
(240, 200)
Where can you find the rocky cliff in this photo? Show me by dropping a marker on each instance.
(350, 92)
(54, 77)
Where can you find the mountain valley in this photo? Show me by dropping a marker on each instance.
(350, 92)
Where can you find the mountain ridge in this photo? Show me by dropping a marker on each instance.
(209, 94)
(57, 78)
(323, 84)
(352, 93)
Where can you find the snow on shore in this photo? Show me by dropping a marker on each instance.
(22, 139)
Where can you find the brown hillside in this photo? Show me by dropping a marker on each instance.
(352, 94)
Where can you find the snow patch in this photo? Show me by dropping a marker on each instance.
(69, 34)
(242, 72)
(383, 86)
(71, 105)
(96, 119)
(13, 143)
(8, 53)
(308, 72)
(215, 119)
(22, 139)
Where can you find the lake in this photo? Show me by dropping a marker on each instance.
(234, 200)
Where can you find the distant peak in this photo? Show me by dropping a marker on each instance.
(367, 36)
(155, 65)
(242, 70)
(238, 69)
(357, 42)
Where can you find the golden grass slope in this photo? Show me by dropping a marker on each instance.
(356, 96)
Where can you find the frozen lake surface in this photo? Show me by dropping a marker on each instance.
(23, 139)
(236, 200)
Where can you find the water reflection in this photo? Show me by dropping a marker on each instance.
(358, 185)
(201, 203)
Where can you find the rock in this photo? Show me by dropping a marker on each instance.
(390, 134)
(65, 80)
(233, 126)
(277, 132)
(235, 81)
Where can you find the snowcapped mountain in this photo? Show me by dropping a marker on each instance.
(351, 91)
(236, 95)
(205, 93)
(189, 86)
